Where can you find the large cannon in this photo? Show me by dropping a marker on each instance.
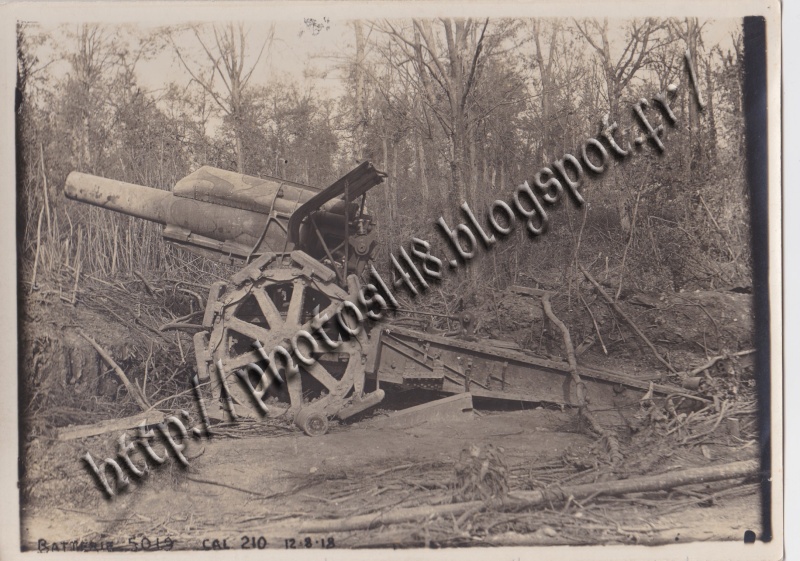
(302, 248)
(235, 218)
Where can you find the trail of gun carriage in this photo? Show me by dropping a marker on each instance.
(593, 384)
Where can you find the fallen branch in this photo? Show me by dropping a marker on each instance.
(713, 360)
(195, 295)
(104, 427)
(624, 316)
(182, 322)
(573, 363)
(580, 387)
(529, 499)
(147, 286)
(594, 321)
(140, 400)
(723, 411)
(190, 327)
(391, 469)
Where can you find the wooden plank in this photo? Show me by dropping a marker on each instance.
(112, 425)
(451, 408)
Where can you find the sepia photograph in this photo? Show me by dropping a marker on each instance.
(392, 276)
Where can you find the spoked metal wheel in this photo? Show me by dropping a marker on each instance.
(268, 303)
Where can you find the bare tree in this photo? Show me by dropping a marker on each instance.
(642, 39)
(226, 55)
(690, 33)
(445, 80)
(91, 64)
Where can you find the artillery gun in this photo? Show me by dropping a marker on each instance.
(303, 250)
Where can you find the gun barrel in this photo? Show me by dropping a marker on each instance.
(204, 218)
(221, 214)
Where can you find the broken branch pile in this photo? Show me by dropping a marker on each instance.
(530, 499)
(88, 357)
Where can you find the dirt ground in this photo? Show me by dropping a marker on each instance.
(253, 486)
(266, 485)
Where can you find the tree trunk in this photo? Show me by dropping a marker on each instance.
(422, 177)
(473, 170)
(457, 116)
(239, 151)
(712, 123)
(457, 195)
(360, 113)
(394, 191)
(693, 147)
(385, 166)
(547, 80)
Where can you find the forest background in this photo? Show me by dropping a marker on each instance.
(453, 110)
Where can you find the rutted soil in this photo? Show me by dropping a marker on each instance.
(263, 481)
(265, 486)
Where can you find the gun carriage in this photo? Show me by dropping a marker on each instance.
(302, 251)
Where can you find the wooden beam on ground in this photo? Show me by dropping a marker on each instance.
(112, 425)
(530, 499)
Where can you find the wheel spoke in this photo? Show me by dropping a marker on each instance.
(250, 329)
(271, 313)
(296, 303)
(229, 336)
(234, 363)
(295, 387)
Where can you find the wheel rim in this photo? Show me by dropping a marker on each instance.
(272, 309)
